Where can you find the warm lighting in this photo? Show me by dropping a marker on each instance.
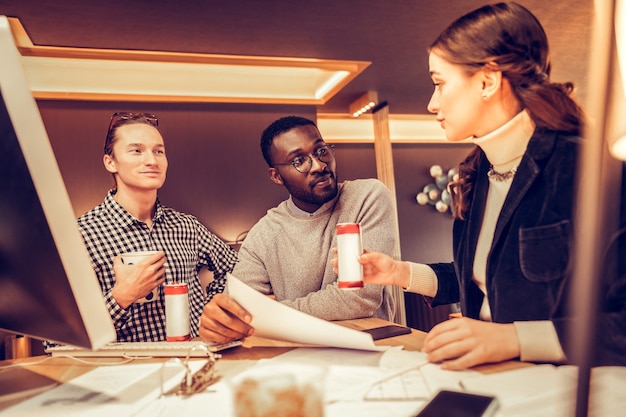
(620, 37)
(123, 75)
(618, 148)
(617, 144)
(403, 128)
(363, 104)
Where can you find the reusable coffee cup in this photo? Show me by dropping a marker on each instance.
(176, 312)
(349, 248)
(132, 258)
(279, 390)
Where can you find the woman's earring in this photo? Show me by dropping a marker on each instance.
(483, 95)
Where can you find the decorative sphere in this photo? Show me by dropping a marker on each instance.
(436, 171)
(422, 199)
(442, 182)
(446, 197)
(432, 192)
(441, 206)
(429, 187)
(453, 174)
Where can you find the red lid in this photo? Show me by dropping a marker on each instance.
(345, 228)
(177, 288)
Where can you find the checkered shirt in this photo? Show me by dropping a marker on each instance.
(109, 230)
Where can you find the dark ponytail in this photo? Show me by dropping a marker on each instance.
(507, 37)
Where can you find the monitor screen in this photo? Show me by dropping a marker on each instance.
(48, 289)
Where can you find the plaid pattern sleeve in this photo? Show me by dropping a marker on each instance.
(109, 230)
(217, 286)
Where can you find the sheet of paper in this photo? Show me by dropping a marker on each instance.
(608, 396)
(118, 390)
(326, 356)
(374, 409)
(548, 390)
(274, 320)
(438, 379)
(345, 389)
(533, 390)
(398, 358)
(217, 398)
(215, 401)
(373, 384)
(393, 375)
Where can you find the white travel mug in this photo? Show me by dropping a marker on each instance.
(349, 248)
(132, 258)
(176, 311)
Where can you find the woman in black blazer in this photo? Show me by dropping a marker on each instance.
(513, 201)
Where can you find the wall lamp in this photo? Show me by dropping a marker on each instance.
(363, 104)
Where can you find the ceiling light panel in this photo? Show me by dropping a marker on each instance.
(124, 75)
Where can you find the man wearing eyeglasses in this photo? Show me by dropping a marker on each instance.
(131, 219)
(287, 253)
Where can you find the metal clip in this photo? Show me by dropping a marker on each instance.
(193, 383)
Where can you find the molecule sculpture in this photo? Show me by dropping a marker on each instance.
(437, 193)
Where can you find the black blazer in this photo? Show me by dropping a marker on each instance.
(528, 266)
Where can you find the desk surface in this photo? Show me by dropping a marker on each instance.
(253, 348)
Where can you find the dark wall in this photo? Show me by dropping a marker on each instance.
(216, 171)
(425, 234)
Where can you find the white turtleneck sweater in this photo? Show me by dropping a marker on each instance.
(504, 148)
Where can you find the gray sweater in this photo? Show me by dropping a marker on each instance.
(287, 253)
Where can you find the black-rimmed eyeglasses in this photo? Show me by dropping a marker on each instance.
(122, 117)
(304, 163)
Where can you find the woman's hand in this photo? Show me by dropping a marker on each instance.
(461, 343)
(379, 268)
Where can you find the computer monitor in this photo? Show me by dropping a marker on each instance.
(48, 289)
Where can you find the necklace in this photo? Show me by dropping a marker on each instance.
(501, 176)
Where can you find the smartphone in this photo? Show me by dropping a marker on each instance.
(459, 404)
(387, 331)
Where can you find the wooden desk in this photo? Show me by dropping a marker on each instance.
(260, 348)
(254, 348)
